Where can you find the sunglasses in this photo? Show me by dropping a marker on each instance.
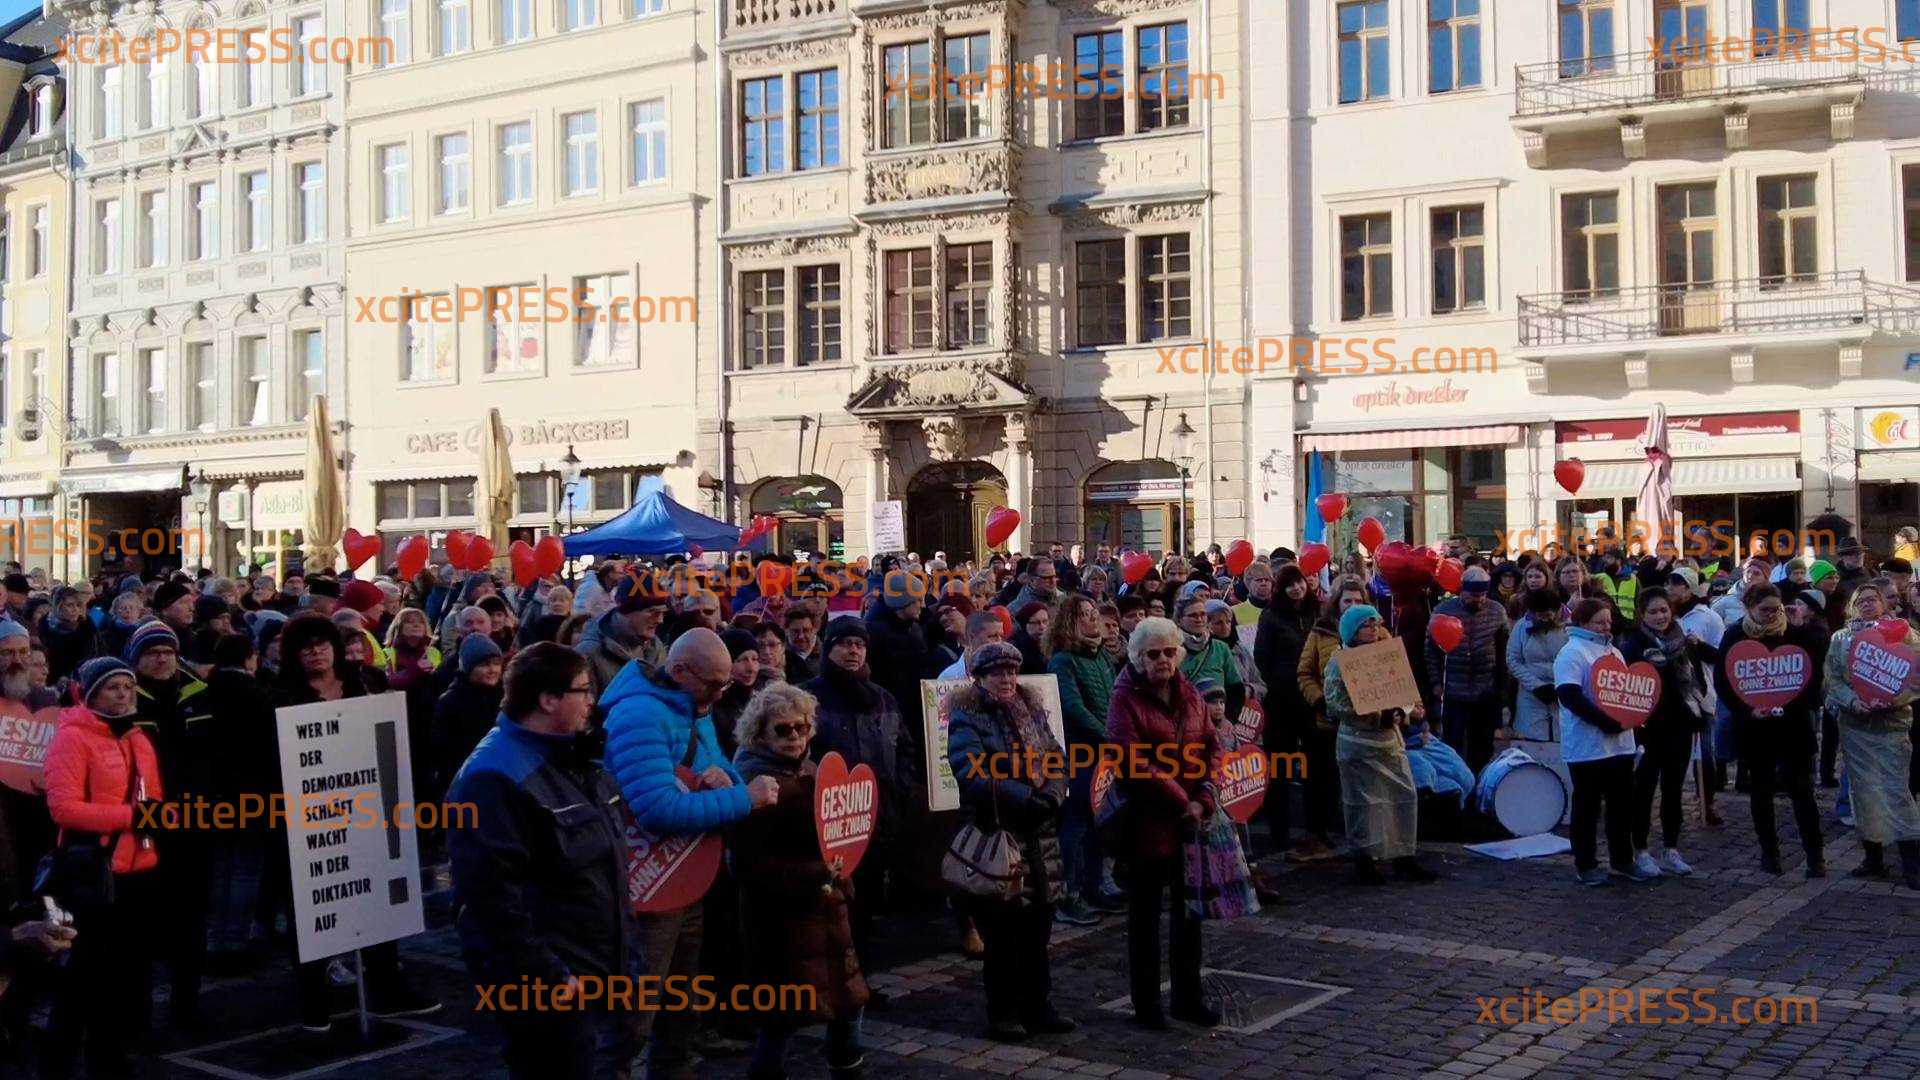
(1155, 654)
(787, 731)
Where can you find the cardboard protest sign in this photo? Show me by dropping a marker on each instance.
(1768, 679)
(1378, 676)
(669, 872)
(1240, 785)
(1876, 670)
(1626, 693)
(846, 807)
(943, 791)
(24, 739)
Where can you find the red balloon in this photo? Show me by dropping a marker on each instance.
(1449, 574)
(1372, 534)
(1447, 632)
(456, 545)
(1239, 557)
(1404, 569)
(520, 556)
(359, 548)
(1892, 631)
(774, 577)
(412, 556)
(549, 555)
(1314, 558)
(1571, 473)
(1134, 566)
(694, 551)
(1331, 505)
(1001, 521)
(479, 553)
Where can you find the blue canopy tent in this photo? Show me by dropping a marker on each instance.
(656, 525)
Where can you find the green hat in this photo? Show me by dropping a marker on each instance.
(1820, 569)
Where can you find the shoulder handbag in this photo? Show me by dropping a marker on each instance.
(985, 864)
(78, 872)
(1219, 885)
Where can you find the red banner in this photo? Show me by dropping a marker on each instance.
(1628, 694)
(1768, 679)
(846, 807)
(1717, 426)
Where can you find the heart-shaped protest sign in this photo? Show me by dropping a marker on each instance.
(24, 739)
(1878, 671)
(1625, 692)
(665, 873)
(846, 807)
(1240, 785)
(1768, 678)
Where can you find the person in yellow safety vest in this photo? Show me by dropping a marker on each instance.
(1621, 592)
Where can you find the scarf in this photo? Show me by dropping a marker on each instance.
(1029, 733)
(1195, 643)
(1682, 667)
(1755, 630)
(854, 686)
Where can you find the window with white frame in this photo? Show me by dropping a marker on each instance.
(1163, 76)
(1099, 87)
(153, 229)
(255, 56)
(907, 112)
(1586, 37)
(254, 372)
(1362, 50)
(1590, 244)
(763, 126)
(203, 88)
(1789, 229)
(108, 105)
(308, 75)
(152, 103)
(1453, 45)
(969, 285)
(201, 386)
(647, 121)
(1166, 286)
(39, 215)
(643, 8)
(152, 402)
(582, 130)
(603, 335)
(429, 341)
(1366, 266)
(969, 109)
(1459, 258)
(394, 182)
(42, 110)
(203, 205)
(259, 211)
(579, 14)
(515, 163)
(1100, 292)
(513, 333)
(106, 393)
(817, 101)
(456, 172)
(763, 318)
(516, 20)
(106, 236)
(910, 299)
(310, 353)
(310, 218)
(36, 379)
(820, 315)
(919, 107)
(456, 27)
(396, 28)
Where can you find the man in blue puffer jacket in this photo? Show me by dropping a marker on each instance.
(656, 723)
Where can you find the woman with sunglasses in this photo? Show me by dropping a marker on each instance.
(793, 905)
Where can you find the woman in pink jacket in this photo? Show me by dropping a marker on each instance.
(99, 771)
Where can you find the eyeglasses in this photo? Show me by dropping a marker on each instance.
(787, 731)
(587, 690)
(1156, 654)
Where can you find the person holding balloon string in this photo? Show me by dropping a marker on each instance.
(1876, 736)
(1377, 790)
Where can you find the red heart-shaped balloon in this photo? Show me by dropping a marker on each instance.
(1001, 521)
(1447, 632)
(1626, 692)
(520, 557)
(774, 576)
(1371, 533)
(1893, 630)
(1134, 567)
(456, 545)
(1239, 557)
(479, 553)
(1571, 473)
(549, 555)
(1331, 506)
(1767, 679)
(1449, 574)
(359, 548)
(412, 556)
(1314, 558)
(846, 806)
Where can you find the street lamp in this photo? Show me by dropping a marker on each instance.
(570, 488)
(201, 490)
(1183, 457)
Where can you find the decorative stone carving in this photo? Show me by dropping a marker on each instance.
(936, 174)
(1638, 373)
(1633, 138)
(1840, 117)
(1534, 145)
(1853, 357)
(1126, 214)
(251, 270)
(1736, 127)
(937, 16)
(781, 54)
(1108, 9)
(787, 247)
(873, 436)
(152, 284)
(946, 437)
(201, 277)
(939, 223)
(305, 262)
(1743, 365)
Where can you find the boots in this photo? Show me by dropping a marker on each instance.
(1406, 868)
(1910, 862)
(1365, 872)
(1875, 865)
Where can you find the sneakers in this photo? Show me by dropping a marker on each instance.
(1073, 911)
(1593, 876)
(1672, 863)
(1644, 868)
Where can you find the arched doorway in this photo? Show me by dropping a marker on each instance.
(810, 512)
(1136, 504)
(947, 506)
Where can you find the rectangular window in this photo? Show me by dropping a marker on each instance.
(1586, 37)
(516, 21)
(1453, 45)
(1363, 51)
(456, 27)
(580, 14)
(909, 300)
(106, 394)
(152, 96)
(153, 396)
(1590, 238)
(203, 89)
(599, 338)
(1366, 266)
(456, 173)
(255, 374)
(1910, 187)
(310, 223)
(259, 217)
(37, 241)
(153, 229)
(969, 113)
(430, 340)
(255, 55)
(583, 153)
(648, 121)
(1775, 21)
(1789, 248)
(1100, 292)
(1166, 287)
(106, 236)
(204, 206)
(1688, 223)
(1099, 85)
(819, 315)
(395, 182)
(969, 294)
(909, 92)
(513, 342)
(642, 8)
(763, 136)
(310, 352)
(1459, 259)
(107, 103)
(818, 94)
(308, 77)
(42, 110)
(37, 379)
(516, 163)
(1906, 19)
(1163, 76)
(763, 318)
(396, 23)
(200, 386)
(533, 495)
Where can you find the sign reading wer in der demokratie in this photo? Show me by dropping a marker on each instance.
(355, 862)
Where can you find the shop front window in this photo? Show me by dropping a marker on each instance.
(1425, 496)
(1137, 505)
(811, 514)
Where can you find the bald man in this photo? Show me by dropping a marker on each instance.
(655, 725)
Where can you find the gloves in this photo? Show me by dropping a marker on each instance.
(1545, 694)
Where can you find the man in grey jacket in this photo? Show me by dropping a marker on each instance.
(1468, 680)
(628, 632)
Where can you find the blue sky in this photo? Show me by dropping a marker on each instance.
(9, 9)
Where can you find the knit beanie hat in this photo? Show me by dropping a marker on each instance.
(323, 586)
(1819, 570)
(996, 654)
(739, 642)
(167, 593)
(1687, 574)
(91, 674)
(149, 635)
(901, 588)
(12, 629)
(843, 627)
(1355, 617)
(208, 608)
(476, 649)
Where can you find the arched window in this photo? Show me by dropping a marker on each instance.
(811, 514)
(1137, 504)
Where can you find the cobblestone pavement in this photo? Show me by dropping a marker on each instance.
(1344, 981)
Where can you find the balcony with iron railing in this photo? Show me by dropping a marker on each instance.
(1798, 72)
(746, 17)
(1839, 304)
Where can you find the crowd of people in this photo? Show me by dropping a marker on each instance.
(693, 699)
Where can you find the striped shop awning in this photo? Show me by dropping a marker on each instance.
(1412, 438)
(1691, 476)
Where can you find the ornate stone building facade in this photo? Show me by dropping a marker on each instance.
(949, 278)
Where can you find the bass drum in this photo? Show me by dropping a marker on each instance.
(1524, 796)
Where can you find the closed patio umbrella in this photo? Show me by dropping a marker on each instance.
(326, 517)
(1655, 506)
(493, 491)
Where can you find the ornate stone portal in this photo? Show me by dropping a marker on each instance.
(946, 437)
